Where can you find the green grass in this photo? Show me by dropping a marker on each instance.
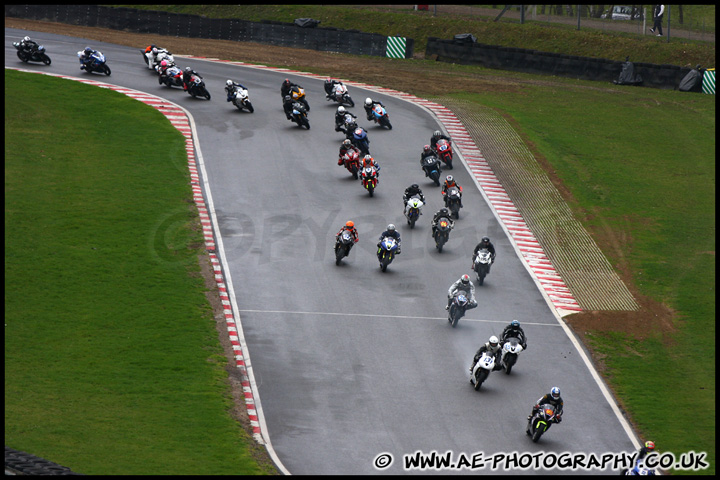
(112, 360)
(564, 39)
(642, 162)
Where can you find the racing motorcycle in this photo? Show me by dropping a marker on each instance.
(95, 64)
(639, 469)
(299, 115)
(340, 95)
(162, 54)
(369, 178)
(511, 350)
(386, 252)
(343, 244)
(172, 77)
(348, 126)
(298, 95)
(413, 213)
(458, 305)
(482, 369)
(35, 55)
(481, 264)
(444, 151)
(541, 421)
(452, 201)
(241, 99)
(431, 167)
(351, 161)
(442, 232)
(196, 87)
(360, 140)
(379, 115)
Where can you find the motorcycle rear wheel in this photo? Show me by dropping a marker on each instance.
(21, 56)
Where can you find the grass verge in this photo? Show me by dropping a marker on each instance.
(112, 360)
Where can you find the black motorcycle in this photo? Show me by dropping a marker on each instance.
(452, 201)
(458, 306)
(431, 167)
(442, 232)
(343, 244)
(32, 54)
(541, 421)
(299, 115)
(196, 87)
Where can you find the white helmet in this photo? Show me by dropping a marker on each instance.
(229, 83)
(26, 39)
(391, 227)
(341, 109)
(368, 101)
(493, 341)
(154, 51)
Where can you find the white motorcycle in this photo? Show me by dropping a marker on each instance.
(242, 99)
(481, 264)
(482, 369)
(511, 350)
(153, 61)
(413, 210)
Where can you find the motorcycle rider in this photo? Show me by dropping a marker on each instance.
(369, 104)
(369, 161)
(340, 117)
(391, 231)
(437, 135)
(330, 87)
(427, 152)
(412, 191)
(492, 347)
(230, 89)
(187, 76)
(514, 330)
(348, 227)
(86, 57)
(644, 450)
(288, 106)
(29, 45)
(484, 243)
(443, 212)
(449, 183)
(344, 147)
(463, 283)
(286, 86)
(554, 399)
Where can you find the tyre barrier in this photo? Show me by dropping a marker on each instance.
(21, 463)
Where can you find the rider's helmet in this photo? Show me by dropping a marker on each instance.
(341, 109)
(444, 211)
(391, 228)
(514, 324)
(426, 149)
(229, 83)
(493, 341)
(368, 101)
(485, 239)
(26, 39)
(465, 279)
(415, 186)
(449, 179)
(347, 142)
(350, 224)
(188, 69)
(163, 63)
(88, 50)
(650, 445)
(287, 98)
(555, 393)
(154, 51)
(436, 134)
(286, 82)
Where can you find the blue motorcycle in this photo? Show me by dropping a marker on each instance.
(386, 252)
(96, 63)
(379, 114)
(431, 167)
(360, 140)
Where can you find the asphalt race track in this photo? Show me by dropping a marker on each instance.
(351, 362)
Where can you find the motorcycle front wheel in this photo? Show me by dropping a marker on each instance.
(106, 70)
(46, 60)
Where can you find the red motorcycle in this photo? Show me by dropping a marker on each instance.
(351, 160)
(369, 179)
(444, 151)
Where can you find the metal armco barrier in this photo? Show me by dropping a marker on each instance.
(284, 34)
(533, 61)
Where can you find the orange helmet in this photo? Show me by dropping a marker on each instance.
(350, 224)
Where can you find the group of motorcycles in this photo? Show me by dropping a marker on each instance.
(162, 62)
